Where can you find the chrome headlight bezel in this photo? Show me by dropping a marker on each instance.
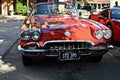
(107, 34)
(99, 34)
(35, 35)
(103, 34)
(25, 35)
(30, 34)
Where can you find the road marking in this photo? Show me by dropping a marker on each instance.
(116, 57)
(110, 53)
(1, 40)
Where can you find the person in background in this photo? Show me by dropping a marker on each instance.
(116, 4)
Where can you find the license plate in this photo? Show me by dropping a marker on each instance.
(69, 56)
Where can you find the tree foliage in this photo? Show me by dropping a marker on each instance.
(20, 7)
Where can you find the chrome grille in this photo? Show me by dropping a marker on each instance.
(75, 46)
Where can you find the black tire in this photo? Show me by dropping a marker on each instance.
(27, 61)
(95, 58)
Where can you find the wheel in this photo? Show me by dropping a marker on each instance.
(27, 61)
(95, 58)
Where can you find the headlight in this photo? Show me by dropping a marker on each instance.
(99, 34)
(35, 35)
(107, 34)
(25, 35)
(30, 34)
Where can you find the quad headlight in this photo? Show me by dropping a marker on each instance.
(35, 35)
(103, 34)
(30, 34)
(25, 35)
(99, 34)
(107, 34)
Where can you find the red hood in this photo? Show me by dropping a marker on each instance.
(79, 28)
(68, 21)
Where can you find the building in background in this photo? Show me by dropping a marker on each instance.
(113, 3)
(8, 7)
(98, 5)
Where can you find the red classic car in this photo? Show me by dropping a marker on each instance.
(56, 30)
(111, 18)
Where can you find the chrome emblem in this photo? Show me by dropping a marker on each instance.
(67, 33)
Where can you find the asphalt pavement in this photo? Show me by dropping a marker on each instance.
(9, 25)
(11, 18)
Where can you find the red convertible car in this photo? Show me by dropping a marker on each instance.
(111, 18)
(55, 30)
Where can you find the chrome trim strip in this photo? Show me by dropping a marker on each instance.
(52, 55)
(32, 43)
(102, 48)
(85, 54)
(68, 41)
(30, 50)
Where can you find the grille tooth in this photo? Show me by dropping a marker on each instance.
(64, 47)
(68, 46)
(73, 46)
(77, 46)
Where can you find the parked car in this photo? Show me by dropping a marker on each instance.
(56, 30)
(111, 18)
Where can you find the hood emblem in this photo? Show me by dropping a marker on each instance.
(67, 33)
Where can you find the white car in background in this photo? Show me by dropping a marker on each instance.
(83, 13)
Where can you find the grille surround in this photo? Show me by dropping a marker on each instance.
(61, 46)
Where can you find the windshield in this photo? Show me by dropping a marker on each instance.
(54, 9)
(115, 13)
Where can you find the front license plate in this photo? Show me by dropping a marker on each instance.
(69, 56)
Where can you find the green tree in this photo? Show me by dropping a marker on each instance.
(20, 7)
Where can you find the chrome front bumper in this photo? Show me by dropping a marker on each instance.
(46, 50)
(56, 47)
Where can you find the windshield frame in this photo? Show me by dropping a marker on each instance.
(53, 4)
